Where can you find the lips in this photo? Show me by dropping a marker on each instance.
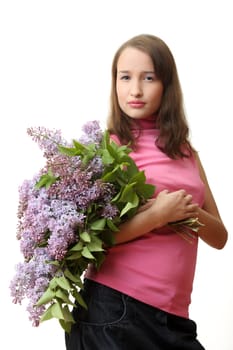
(136, 104)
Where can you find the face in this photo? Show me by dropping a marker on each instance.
(138, 89)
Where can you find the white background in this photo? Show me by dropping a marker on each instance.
(55, 59)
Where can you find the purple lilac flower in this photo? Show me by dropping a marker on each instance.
(35, 313)
(92, 133)
(26, 190)
(34, 219)
(109, 211)
(65, 221)
(48, 140)
(50, 219)
(96, 167)
(80, 188)
(108, 191)
(31, 280)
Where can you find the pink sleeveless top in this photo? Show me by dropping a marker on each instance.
(157, 268)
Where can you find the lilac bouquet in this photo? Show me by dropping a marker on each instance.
(67, 215)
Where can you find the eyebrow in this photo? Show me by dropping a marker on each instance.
(146, 72)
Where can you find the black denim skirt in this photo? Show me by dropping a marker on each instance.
(115, 321)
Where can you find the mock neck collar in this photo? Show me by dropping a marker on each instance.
(148, 123)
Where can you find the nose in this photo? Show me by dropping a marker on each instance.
(135, 88)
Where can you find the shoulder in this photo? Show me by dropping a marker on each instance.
(200, 167)
(209, 204)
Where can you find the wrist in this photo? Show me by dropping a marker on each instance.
(157, 220)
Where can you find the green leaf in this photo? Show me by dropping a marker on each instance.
(108, 238)
(63, 296)
(139, 177)
(117, 196)
(112, 226)
(98, 225)
(56, 311)
(128, 194)
(120, 152)
(46, 297)
(53, 262)
(111, 175)
(47, 315)
(106, 157)
(69, 151)
(85, 236)
(53, 283)
(77, 247)
(74, 278)
(79, 299)
(74, 255)
(79, 146)
(147, 191)
(87, 254)
(100, 259)
(96, 244)
(130, 205)
(66, 325)
(106, 139)
(67, 314)
(85, 152)
(63, 282)
(46, 180)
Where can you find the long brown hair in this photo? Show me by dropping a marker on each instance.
(171, 119)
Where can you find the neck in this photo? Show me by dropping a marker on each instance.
(147, 123)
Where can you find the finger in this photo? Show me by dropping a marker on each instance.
(188, 198)
(183, 193)
(164, 191)
(192, 209)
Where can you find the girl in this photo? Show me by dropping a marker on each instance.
(139, 299)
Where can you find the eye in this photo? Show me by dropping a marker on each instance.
(149, 77)
(125, 77)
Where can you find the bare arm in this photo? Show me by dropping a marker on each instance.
(214, 232)
(173, 206)
(165, 208)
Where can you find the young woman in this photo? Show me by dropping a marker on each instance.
(139, 299)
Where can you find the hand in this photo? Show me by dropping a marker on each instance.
(171, 206)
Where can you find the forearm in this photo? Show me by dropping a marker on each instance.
(139, 225)
(213, 232)
(167, 207)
